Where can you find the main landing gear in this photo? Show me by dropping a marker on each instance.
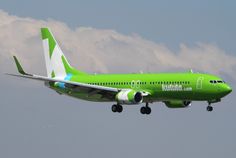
(146, 109)
(117, 108)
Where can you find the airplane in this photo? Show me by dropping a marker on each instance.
(175, 90)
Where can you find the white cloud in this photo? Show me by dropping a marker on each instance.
(107, 51)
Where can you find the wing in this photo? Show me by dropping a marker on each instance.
(105, 92)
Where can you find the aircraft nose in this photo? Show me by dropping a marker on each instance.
(227, 89)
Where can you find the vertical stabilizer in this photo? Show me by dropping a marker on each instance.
(56, 62)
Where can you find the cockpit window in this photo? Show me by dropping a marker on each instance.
(216, 81)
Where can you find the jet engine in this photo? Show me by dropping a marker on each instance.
(129, 97)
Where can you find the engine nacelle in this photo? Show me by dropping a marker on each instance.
(129, 97)
(178, 104)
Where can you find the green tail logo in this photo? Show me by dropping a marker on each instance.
(56, 62)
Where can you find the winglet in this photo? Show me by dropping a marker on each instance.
(19, 67)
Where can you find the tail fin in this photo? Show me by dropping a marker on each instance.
(56, 62)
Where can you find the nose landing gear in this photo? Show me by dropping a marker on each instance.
(209, 107)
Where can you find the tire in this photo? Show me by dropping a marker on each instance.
(114, 108)
(148, 110)
(143, 110)
(209, 108)
(119, 108)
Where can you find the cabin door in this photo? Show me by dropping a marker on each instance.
(199, 82)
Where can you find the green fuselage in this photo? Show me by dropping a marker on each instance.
(161, 87)
(176, 90)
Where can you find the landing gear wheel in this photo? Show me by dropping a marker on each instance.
(114, 108)
(143, 110)
(209, 108)
(148, 110)
(119, 108)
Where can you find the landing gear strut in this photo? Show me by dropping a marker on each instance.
(209, 107)
(117, 108)
(146, 109)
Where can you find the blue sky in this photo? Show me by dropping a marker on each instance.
(37, 122)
